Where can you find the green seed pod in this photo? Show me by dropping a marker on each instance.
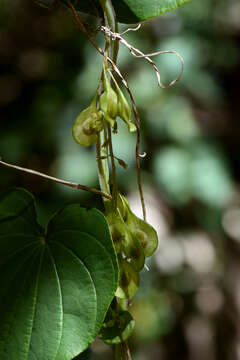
(93, 124)
(87, 125)
(141, 230)
(109, 102)
(128, 281)
(124, 111)
(117, 230)
(125, 241)
(122, 207)
(133, 250)
(117, 327)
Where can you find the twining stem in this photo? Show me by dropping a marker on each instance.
(102, 161)
(111, 22)
(121, 351)
(111, 47)
(114, 175)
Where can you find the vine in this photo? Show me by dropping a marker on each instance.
(132, 239)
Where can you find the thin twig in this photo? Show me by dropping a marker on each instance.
(51, 178)
(128, 351)
(83, 28)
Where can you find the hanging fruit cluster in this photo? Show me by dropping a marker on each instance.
(134, 240)
(90, 122)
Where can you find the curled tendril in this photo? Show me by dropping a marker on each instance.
(139, 54)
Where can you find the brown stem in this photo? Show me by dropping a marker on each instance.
(51, 178)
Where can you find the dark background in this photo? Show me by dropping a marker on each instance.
(189, 303)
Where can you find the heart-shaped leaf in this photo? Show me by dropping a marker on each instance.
(55, 288)
(131, 11)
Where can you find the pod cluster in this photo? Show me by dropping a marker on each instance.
(134, 240)
(90, 122)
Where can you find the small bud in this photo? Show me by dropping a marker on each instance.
(122, 163)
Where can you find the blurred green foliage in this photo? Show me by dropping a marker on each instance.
(188, 307)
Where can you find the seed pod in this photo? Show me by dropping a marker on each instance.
(122, 207)
(109, 102)
(87, 125)
(117, 229)
(125, 241)
(128, 281)
(117, 327)
(124, 111)
(147, 235)
(141, 230)
(133, 250)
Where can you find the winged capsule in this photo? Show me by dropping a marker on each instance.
(124, 111)
(117, 327)
(128, 281)
(109, 102)
(140, 229)
(88, 124)
(125, 241)
(117, 229)
(133, 250)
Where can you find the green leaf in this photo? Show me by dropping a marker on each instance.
(132, 11)
(55, 288)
